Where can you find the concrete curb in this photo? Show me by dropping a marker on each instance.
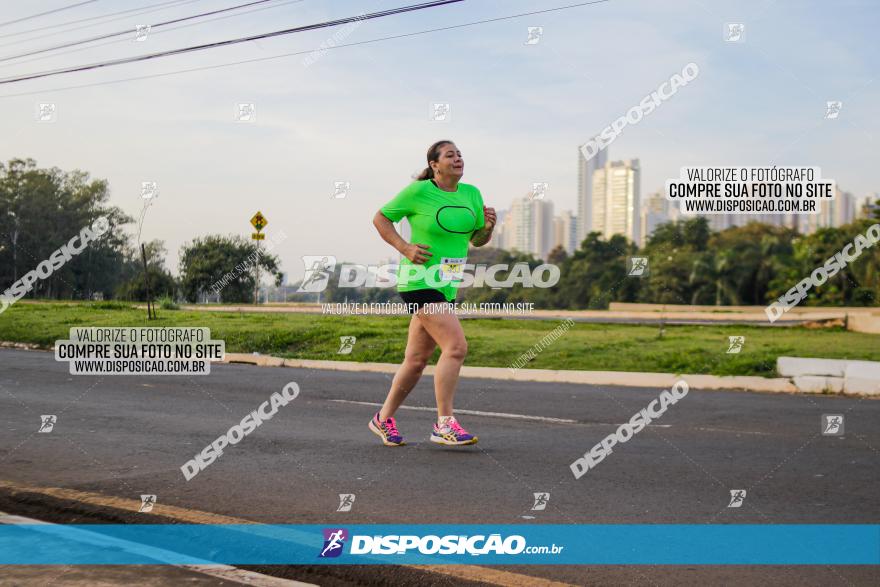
(838, 375)
(653, 380)
(20, 345)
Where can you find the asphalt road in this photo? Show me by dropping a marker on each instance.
(128, 435)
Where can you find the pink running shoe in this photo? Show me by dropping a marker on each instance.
(386, 430)
(452, 434)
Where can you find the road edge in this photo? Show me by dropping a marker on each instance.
(615, 378)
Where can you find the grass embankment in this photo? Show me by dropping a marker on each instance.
(492, 343)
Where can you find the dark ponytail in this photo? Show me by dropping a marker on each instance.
(433, 155)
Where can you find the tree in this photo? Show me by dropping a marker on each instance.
(557, 256)
(739, 263)
(226, 262)
(679, 267)
(855, 284)
(596, 274)
(713, 278)
(43, 209)
(162, 283)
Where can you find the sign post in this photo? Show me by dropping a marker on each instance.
(259, 222)
(151, 310)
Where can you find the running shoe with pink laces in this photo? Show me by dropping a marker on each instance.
(452, 434)
(386, 430)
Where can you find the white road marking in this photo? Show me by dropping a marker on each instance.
(469, 412)
(737, 431)
(498, 415)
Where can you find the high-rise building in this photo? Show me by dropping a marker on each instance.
(832, 213)
(586, 167)
(565, 232)
(656, 210)
(529, 226)
(498, 233)
(844, 208)
(543, 228)
(616, 206)
(868, 207)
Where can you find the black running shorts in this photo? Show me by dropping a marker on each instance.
(415, 298)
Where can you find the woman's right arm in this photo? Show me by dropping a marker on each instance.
(417, 253)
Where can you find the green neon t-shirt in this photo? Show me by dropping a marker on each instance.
(445, 222)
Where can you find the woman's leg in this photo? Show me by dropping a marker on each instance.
(419, 348)
(445, 329)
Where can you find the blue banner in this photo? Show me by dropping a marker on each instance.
(482, 544)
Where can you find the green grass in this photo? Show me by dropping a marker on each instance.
(492, 343)
(166, 303)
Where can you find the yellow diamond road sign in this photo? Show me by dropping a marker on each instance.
(259, 221)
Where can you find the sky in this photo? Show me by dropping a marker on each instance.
(361, 114)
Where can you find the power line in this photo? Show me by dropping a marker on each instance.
(141, 10)
(285, 3)
(295, 53)
(45, 13)
(320, 25)
(129, 31)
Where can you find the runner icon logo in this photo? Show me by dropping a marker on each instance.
(734, 32)
(638, 266)
(832, 109)
(149, 189)
(736, 344)
(440, 112)
(832, 424)
(147, 503)
(246, 112)
(340, 189)
(46, 112)
(737, 496)
(319, 268)
(541, 500)
(539, 190)
(47, 423)
(534, 37)
(346, 500)
(346, 344)
(334, 541)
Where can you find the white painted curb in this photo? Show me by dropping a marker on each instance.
(835, 375)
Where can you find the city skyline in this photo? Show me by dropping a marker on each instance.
(622, 210)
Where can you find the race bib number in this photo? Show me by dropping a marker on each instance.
(452, 268)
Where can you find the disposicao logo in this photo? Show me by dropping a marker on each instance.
(334, 540)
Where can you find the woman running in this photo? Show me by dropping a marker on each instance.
(446, 216)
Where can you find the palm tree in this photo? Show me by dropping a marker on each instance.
(715, 273)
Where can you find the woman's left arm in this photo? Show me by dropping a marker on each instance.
(481, 236)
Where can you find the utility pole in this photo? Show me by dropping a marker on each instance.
(151, 312)
(257, 268)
